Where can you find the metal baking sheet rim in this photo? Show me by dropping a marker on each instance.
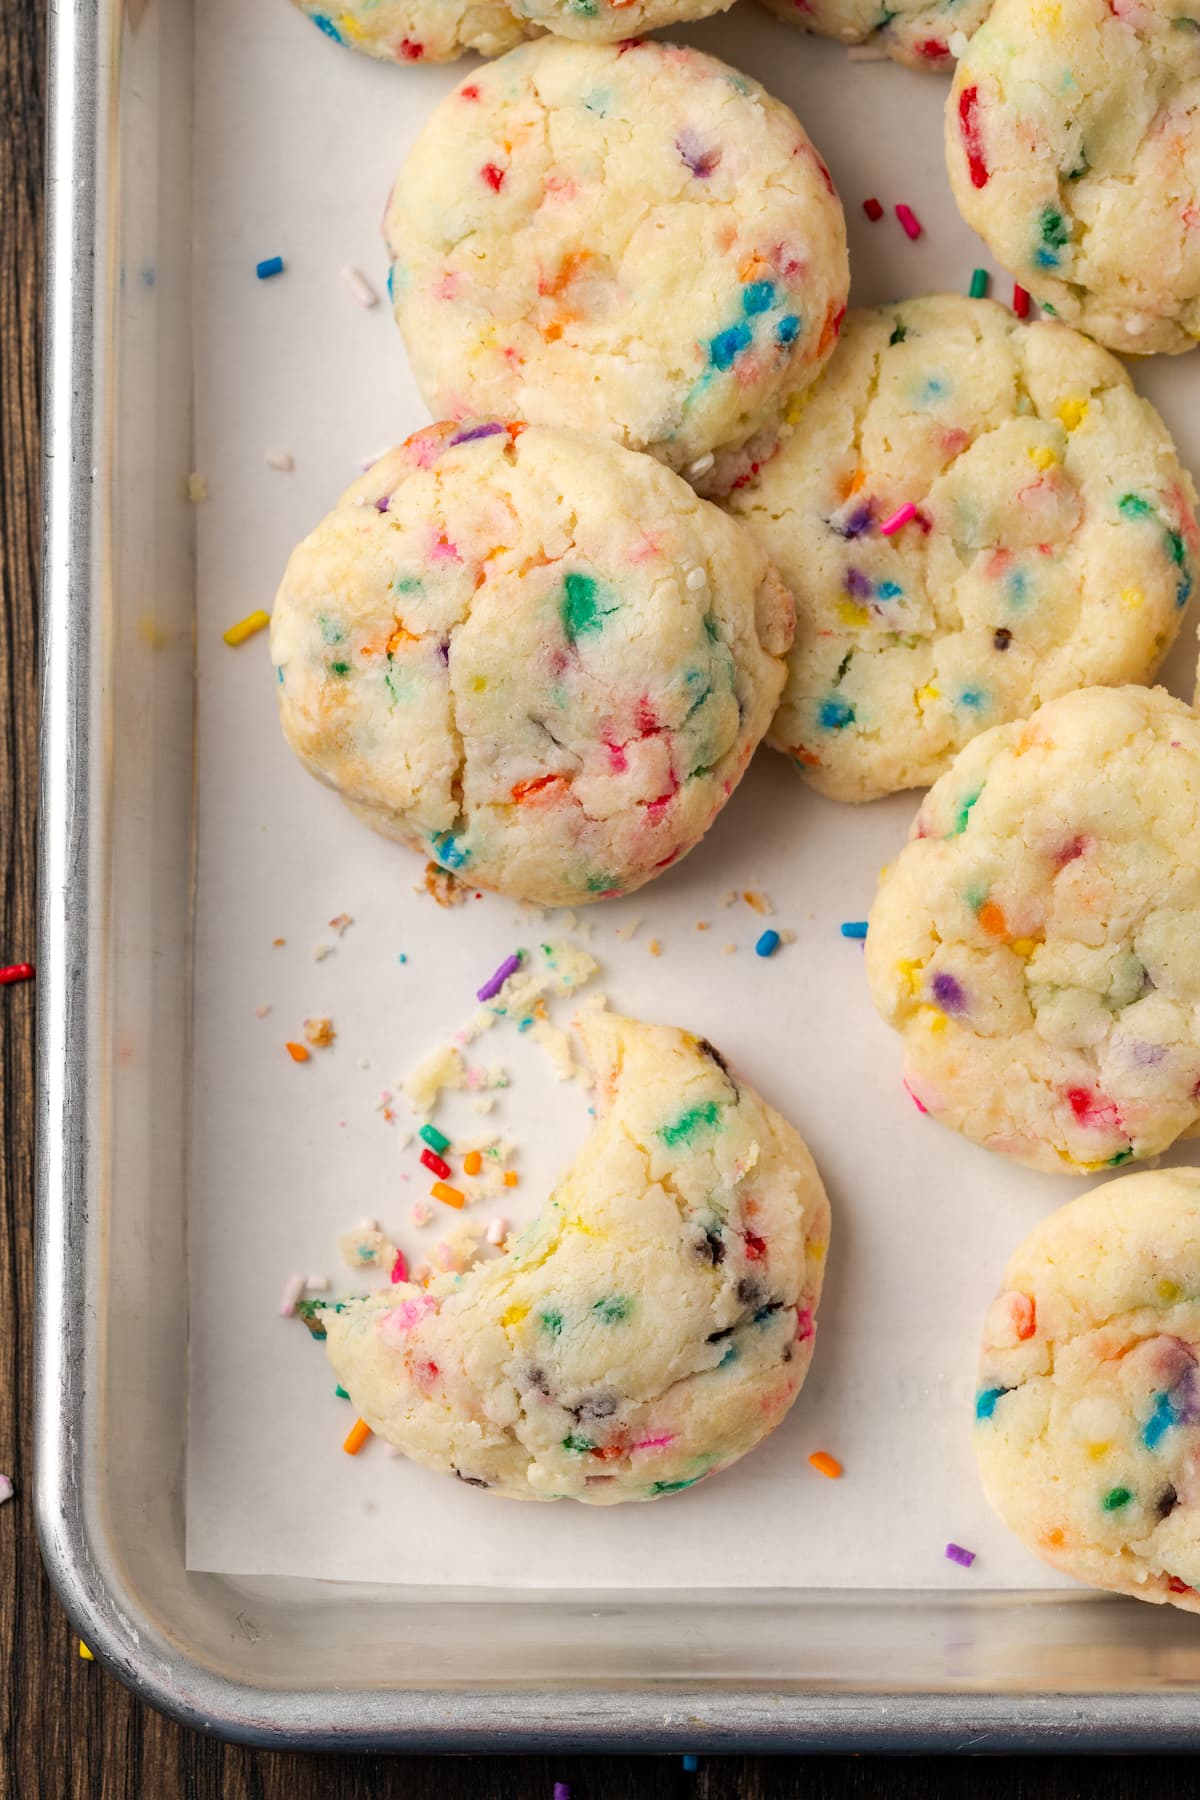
(130, 1631)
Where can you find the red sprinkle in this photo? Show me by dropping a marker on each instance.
(872, 209)
(493, 176)
(968, 124)
(470, 92)
(411, 51)
(16, 972)
(934, 49)
(1175, 1586)
(435, 1164)
(1020, 301)
(756, 1247)
(910, 221)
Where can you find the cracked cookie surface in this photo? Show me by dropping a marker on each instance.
(412, 31)
(1037, 942)
(537, 658)
(651, 1326)
(1054, 544)
(1073, 145)
(633, 240)
(1087, 1411)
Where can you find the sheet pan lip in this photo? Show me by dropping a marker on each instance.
(649, 1716)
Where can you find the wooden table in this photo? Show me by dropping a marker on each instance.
(67, 1729)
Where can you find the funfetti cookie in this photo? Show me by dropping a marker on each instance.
(413, 31)
(1037, 941)
(1073, 143)
(634, 240)
(612, 21)
(539, 659)
(647, 1330)
(974, 516)
(925, 34)
(1087, 1414)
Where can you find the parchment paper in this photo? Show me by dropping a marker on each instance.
(297, 143)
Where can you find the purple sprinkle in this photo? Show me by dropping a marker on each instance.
(562, 1791)
(444, 651)
(857, 584)
(860, 520)
(492, 986)
(956, 1554)
(1148, 1056)
(948, 993)
(699, 161)
(475, 431)
(383, 502)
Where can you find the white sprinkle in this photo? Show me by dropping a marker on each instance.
(317, 1284)
(497, 1230)
(360, 287)
(321, 951)
(197, 489)
(702, 465)
(1136, 324)
(867, 53)
(291, 1293)
(625, 932)
(697, 578)
(6, 1489)
(283, 460)
(957, 43)
(363, 1063)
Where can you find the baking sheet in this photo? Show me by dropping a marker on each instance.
(296, 145)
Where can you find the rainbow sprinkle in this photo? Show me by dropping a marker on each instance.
(270, 265)
(979, 284)
(956, 1554)
(909, 220)
(873, 210)
(245, 628)
(494, 983)
(767, 944)
(854, 928)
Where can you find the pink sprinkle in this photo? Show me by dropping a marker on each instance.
(654, 1443)
(909, 220)
(873, 210)
(956, 1554)
(401, 1319)
(804, 1324)
(917, 1103)
(399, 1269)
(905, 514)
(293, 1290)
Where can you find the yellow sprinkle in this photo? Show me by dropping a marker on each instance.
(246, 628)
(152, 633)
(1043, 457)
(1024, 946)
(910, 972)
(794, 407)
(1133, 598)
(1096, 1451)
(935, 1020)
(514, 1315)
(927, 693)
(478, 684)
(1168, 1291)
(850, 613)
(654, 947)
(1072, 413)
(86, 1654)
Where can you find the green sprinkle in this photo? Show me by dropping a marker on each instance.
(580, 1445)
(1122, 1156)
(341, 1392)
(1175, 543)
(686, 1126)
(339, 668)
(1116, 1498)
(580, 609)
(614, 1310)
(1133, 506)
(1053, 227)
(552, 1322)
(900, 333)
(979, 284)
(673, 1487)
(964, 813)
(437, 1140)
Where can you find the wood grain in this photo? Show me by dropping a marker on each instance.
(67, 1729)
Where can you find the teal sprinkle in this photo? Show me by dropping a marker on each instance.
(964, 813)
(1134, 506)
(985, 1402)
(580, 608)
(934, 388)
(1017, 587)
(788, 329)
(757, 297)
(889, 590)
(730, 1356)
(552, 1322)
(613, 1310)
(580, 1445)
(1176, 547)
(1159, 1422)
(727, 344)
(448, 851)
(979, 284)
(437, 1140)
(673, 1487)
(835, 714)
(689, 1124)
(524, 1024)
(1116, 1498)
(710, 629)
(331, 631)
(340, 1392)
(973, 697)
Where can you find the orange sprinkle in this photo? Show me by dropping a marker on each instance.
(992, 919)
(297, 1052)
(401, 635)
(825, 1464)
(356, 1437)
(472, 1162)
(510, 1178)
(525, 790)
(449, 1196)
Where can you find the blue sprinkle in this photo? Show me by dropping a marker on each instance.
(1183, 592)
(788, 329)
(448, 851)
(391, 282)
(854, 928)
(767, 944)
(985, 1402)
(973, 697)
(889, 590)
(1045, 259)
(725, 346)
(271, 265)
(402, 958)
(327, 26)
(835, 715)
(1159, 1422)
(757, 297)
(690, 1764)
